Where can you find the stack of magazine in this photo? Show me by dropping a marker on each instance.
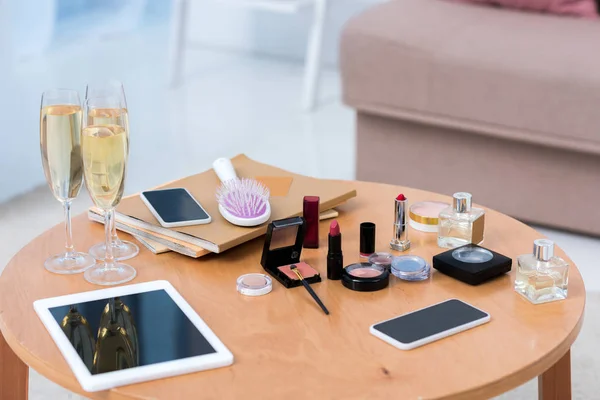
(287, 192)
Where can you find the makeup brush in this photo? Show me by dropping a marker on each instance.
(242, 202)
(294, 268)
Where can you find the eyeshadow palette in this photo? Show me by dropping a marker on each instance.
(282, 248)
(130, 334)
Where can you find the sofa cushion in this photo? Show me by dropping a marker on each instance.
(498, 72)
(575, 8)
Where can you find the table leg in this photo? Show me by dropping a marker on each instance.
(14, 374)
(555, 384)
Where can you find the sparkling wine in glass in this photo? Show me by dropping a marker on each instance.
(60, 145)
(122, 249)
(105, 149)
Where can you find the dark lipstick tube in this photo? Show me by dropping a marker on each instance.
(310, 208)
(335, 258)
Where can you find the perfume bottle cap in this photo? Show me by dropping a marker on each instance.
(462, 202)
(543, 249)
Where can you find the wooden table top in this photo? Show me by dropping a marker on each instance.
(283, 344)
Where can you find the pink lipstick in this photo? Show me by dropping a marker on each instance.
(335, 258)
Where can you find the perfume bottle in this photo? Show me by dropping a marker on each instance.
(460, 224)
(542, 277)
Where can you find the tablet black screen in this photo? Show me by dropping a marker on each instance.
(129, 331)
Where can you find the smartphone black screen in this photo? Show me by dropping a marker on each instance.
(175, 205)
(430, 321)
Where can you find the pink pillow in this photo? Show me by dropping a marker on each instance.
(577, 8)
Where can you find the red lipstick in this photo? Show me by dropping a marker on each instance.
(335, 258)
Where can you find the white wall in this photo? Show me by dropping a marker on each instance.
(72, 64)
(268, 33)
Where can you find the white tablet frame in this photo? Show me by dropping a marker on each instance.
(92, 383)
(426, 340)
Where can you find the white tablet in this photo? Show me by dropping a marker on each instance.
(129, 334)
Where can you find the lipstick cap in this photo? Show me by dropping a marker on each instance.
(310, 209)
(367, 238)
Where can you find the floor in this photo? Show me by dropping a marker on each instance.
(234, 103)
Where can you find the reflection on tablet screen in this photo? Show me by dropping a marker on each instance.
(129, 331)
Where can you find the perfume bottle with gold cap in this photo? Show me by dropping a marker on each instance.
(541, 276)
(460, 224)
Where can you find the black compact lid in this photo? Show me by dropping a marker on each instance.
(367, 238)
(283, 244)
(472, 264)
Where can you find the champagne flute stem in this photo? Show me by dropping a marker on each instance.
(109, 220)
(114, 239)
(69, 250)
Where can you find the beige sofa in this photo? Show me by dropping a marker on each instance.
(503, 104)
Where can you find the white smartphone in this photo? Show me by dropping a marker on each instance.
(175, 207)
(429, 324)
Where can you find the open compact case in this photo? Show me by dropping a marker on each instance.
(472, 264)
(282, 248)
(365, 277)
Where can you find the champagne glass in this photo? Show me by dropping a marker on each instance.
(105, 148)
(122, 249)
(60, 145)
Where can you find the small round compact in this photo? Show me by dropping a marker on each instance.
(254, 284)
(383, 259)
(410, 268)
(365, 277)
(423, 216)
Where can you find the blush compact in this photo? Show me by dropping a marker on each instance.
(282, 249)
(423, 216)
(365, 277)
(254, 284)
(472, 264)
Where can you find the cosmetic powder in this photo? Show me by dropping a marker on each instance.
(306, 270)
(365, 277)
(410, 268)
(472, 255)
(383, 259)
(254, 284)
(472, 264)
(423, 216)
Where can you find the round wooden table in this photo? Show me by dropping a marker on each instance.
(286, 348)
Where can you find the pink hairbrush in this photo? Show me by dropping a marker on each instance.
(242, 201)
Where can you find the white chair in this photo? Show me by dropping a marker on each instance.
(312, 67)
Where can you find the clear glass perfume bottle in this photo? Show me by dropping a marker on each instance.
(460, 224)
(542, 277)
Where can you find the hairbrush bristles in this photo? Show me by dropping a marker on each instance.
(243, 198)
